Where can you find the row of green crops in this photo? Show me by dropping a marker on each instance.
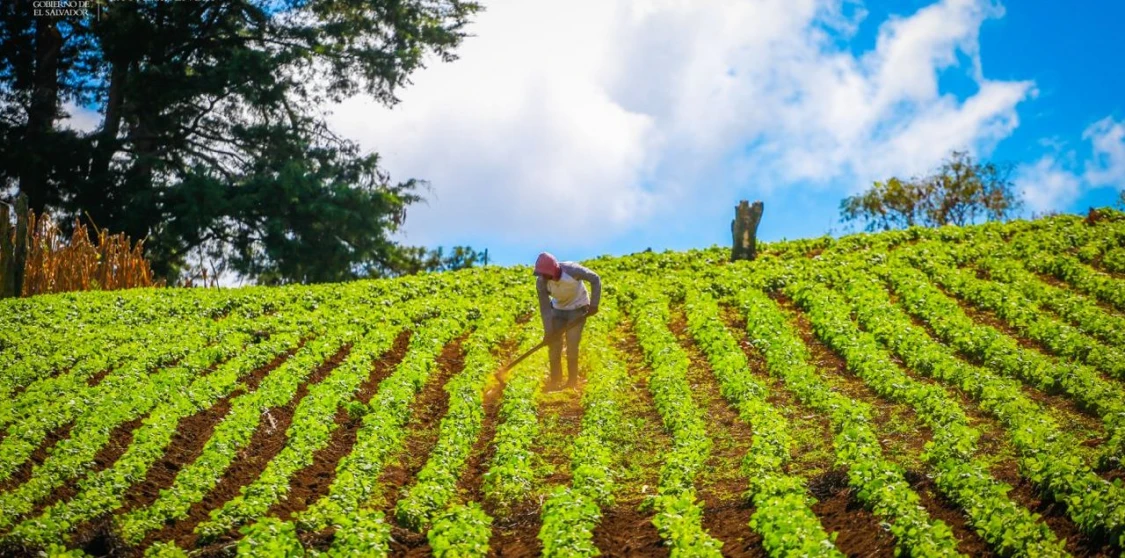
(959, 474)
(1046, 454)
(570, 514)
(879, 483)
(783, 508)
(131, 367)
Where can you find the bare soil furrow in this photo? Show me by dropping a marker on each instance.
(726, 512)
(422, 435)
(625, 529)
(268, 439)
(23, 474)
(312, 482)
(190, 438)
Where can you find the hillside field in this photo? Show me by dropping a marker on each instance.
(927, 392)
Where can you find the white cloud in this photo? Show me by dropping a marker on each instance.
(80, 119)
(576, 123)
(1052, 184)
(1047, 184)
(1107, 166)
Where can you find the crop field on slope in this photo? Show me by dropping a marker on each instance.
(958, 391)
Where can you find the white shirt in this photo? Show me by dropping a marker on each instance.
(568, 293)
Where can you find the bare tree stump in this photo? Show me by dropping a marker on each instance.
(744, 229)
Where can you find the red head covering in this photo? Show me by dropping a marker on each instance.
(547, 265)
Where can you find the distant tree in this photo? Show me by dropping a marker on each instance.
(213, 140)
(1121, 200)
(418, 259)
(959, 192)
(887, 205)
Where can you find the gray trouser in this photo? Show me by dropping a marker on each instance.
(559, 320)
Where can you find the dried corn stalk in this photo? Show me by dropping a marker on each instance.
(55, 264)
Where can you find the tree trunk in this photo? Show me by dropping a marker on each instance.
(19, 252)
(744, 229)
(107, 137)
(41, 111)
(7, 257)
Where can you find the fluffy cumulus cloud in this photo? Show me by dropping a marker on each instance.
(1047, 184)
(1107, 167)
(602, 116)
(1054, 181)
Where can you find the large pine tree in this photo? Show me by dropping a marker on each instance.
(213, 136)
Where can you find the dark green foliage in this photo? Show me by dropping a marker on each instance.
(417, 259)
(212, 140)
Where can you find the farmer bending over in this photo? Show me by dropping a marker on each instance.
(569, 302)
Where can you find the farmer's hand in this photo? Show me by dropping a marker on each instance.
(591, 310)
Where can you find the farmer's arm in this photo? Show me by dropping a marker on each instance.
(544, 304)
(583, 273)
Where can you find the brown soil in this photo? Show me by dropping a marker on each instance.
(1068, 410)
(858, 531)
(268, 439)
(96, 379)
(994, 442)
(472, 478)
(1056, 282)
(987, 317)
(796, 413)
(119, 441)
(188, 441)
(729, 522)
(911, 440)
(514, 531)
(1051, 513)
(422, 435)
(407, 543)
(726, 513)
(835, 502)
(561, 418)
(977, 415)
(835, 372)
(990, 318)
(625, 531)
(187, 444)
(312, 482)
(941, 508)
(23, 474)
(97, 538)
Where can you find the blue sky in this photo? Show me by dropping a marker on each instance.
(601, 127)
(611, 126)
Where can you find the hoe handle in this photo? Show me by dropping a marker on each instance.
(541, 344)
